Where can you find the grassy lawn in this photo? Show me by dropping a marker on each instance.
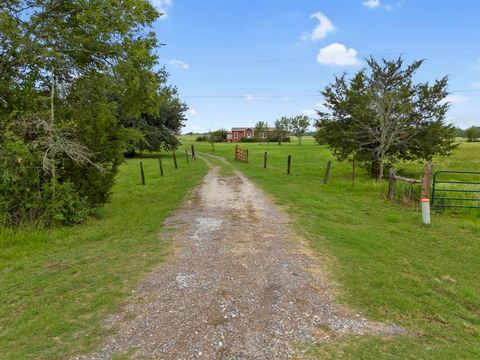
(57, 286)
(387, 264)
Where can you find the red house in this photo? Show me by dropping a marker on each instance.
(239, 133)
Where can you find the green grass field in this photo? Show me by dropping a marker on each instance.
(57, 286)
(386, 263)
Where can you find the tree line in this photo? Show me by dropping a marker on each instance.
(283, 127)
(80, 86)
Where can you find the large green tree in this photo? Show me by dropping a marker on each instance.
(72, 74)
(381, 115)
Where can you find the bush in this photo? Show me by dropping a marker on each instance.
(63, 205)
(202, 138)
(247, 140)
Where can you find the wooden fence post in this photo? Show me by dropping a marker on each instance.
(327, 172)
(193, 152)
(265, 160)
(427, 180)
(289, 164)
(186, 155)
(142, 174)
(175, 160)
(247, 156)
(161, 165)
(236, 152)
(392, 186)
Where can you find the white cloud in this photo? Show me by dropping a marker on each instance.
(162, 6)
(321, 31)
(193, 112)
(476, 84)
(371, 4)
(286, 98)
(337, 54)
(249, 97)
(179, 64)
(455, 99)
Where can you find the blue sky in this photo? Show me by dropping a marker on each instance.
(236, 62)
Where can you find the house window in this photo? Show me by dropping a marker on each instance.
(235, 134)
(264, 135)
(249, 134)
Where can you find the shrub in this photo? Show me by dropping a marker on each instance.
(63, 205)
(202, 138)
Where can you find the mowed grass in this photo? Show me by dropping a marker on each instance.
(386, 263)
(57, 286)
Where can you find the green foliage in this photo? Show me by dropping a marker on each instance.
(472, 134)
(79, 87)
(218, 136)
(247, 140)
(383, 116)
(63, 205)
(261, 131)
(201, 138)
(299, 125)
(161, 127)
(19, 181)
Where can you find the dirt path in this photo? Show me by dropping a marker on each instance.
(240, 286)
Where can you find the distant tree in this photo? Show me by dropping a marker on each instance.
(202, 138)
(261, 128)
(282, 125)
(219, 135)
(299, 125)
(472, 134)
(383, 116)
(459, 132)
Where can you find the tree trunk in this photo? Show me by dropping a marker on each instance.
(380, 169)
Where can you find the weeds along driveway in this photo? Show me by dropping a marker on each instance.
(241, 285)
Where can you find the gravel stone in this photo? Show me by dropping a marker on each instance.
(240, 285)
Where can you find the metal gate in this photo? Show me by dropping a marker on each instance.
(468, 184)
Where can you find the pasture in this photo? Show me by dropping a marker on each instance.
(57, 286)
(385, 262)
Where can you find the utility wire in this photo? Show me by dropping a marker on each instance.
(284, 96)
(400, 53)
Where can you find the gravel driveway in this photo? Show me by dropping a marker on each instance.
(241, 285)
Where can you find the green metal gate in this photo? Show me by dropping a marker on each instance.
(469, 184)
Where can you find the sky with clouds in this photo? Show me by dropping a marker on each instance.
(238, 62)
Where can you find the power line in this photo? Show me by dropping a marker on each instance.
(282, 96)
(273, 60)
